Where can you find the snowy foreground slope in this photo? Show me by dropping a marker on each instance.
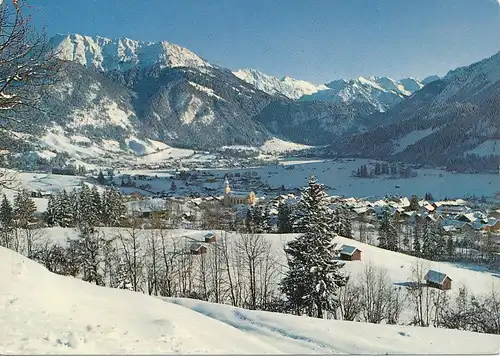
(42, 312)
(293, 334)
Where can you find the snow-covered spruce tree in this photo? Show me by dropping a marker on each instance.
(74, 197)
(284, 221)
(414, 206)
(50, 214)
(314, 277)
(430, 240)
(64, 210)
(6, 218)
(266, 220)
(258, 219)
(87, 213)
(96, 204)
(344, 227)
(388, 235)
(24, 210)
(89, 251)
(112, 207)
(417, 235)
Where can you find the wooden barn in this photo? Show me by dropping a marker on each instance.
(210, 237)
(350, 253)
(438, 280)
(197, 248)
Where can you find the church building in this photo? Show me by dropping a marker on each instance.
(232, 198)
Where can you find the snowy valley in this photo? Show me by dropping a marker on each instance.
(153, 201)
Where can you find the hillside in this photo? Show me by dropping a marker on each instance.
(114, 93)
(46, 313)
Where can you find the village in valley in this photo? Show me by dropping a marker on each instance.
(464, 230)
(162, 199)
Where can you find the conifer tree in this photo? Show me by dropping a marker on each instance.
(314, 277)
(86, 211)
(427, 240)
(64, 210)
(74, 197)
(414, 206)
(6, 213)
(344, 227)
(113, 208)
(100, 178)
(388, 235)
(96, 203)
(50, 214)
(285, 225)
(417, 233)
(24, 210)
(6, 221)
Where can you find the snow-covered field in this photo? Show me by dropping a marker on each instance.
(487, 148)
(41, 182)
(275, 145)
(42, 312)
(399, 266)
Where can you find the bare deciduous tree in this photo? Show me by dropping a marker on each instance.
(253, 249)
(26, 62)
(350, 301)
(132, 252)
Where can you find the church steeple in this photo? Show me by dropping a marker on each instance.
(227, 190)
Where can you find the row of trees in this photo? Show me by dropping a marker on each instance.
(18, 222)
(288, 219)
(85, 206)
(427, 239)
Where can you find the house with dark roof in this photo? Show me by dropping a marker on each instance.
(438, 280)
(197, 248)
(350, 253)
(210, 237)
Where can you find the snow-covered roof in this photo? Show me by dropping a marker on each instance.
(362, 210)
(429, 207)
(435, 277)
(455, 223)
(348, 250)
(470, 216)
(492, 222)
(195, 246)
(239, 194)
(448, 228)
(404, 202)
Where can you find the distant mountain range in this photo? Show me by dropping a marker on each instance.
(453, 121)
(116, 91)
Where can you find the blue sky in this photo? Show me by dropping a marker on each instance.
(315, 40)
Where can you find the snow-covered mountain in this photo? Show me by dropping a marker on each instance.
(380, 92)
(107, 54)
(121, 90)
(287, 86)
(452, 121)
